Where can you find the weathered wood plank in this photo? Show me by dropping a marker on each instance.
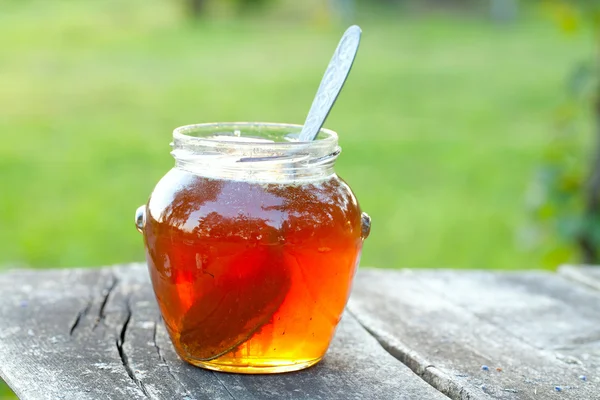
(585, 274)
(542, 331)
(38, 356)
(90, 334)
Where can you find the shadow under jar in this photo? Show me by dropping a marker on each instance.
(252, 243)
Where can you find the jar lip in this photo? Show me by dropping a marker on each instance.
(182, 134)
(254, 151)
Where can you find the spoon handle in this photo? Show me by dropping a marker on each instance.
(332, 83)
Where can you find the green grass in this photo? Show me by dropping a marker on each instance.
(442, 122)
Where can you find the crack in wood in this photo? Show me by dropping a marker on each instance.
(120, 342)
(464, 396)
(80, 315)
(430, 373)
(216, 374)
(164, 361)
(106, 294)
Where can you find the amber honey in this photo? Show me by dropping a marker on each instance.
(251, 277)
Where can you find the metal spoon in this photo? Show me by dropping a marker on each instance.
(332, 83)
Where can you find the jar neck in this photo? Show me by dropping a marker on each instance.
(259, 152)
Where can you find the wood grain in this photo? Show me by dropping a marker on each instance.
(90, 334)
(535, 334)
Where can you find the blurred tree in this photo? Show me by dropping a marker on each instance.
(565, 195)
(196, 7)
(503, 10)
(499, 10)
(250, 4)
(344, 9)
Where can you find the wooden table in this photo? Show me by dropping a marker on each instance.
(408, 334)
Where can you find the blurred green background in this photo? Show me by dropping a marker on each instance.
(443, 121)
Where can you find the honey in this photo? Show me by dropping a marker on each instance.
(252, 243)
(251, 277)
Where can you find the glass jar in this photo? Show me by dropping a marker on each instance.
(252, 243)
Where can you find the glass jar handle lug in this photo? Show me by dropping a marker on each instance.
(140, 218)
(365, 221)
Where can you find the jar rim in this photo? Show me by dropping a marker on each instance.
(254, 151)
(326, 137)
